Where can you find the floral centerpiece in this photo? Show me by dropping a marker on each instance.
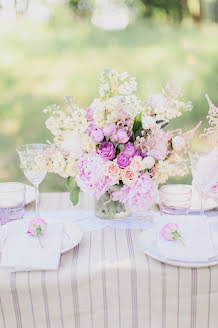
(118, 149)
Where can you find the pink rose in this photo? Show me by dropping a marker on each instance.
(122, 136)
(112, 170)
(106, 150)
(123, 160)
(129, 149)
(89, 114)
(129, 176)
(171, 232)
(136, 163)
(109, 129)
(97, 135)
(37, 227)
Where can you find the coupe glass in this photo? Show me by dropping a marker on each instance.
(203, 173)
(32, 166)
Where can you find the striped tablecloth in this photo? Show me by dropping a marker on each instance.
(106, 282)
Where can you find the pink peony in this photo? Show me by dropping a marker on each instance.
(139, 197)
(89, 114)
(109, 129)
(122, 136)
(97, 135)
(92, 176)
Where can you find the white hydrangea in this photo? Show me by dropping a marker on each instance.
(57, 164)
(88, 145)
(161, 175)
(71, 167)
(53, 125)
(147, 121)
(171, 167)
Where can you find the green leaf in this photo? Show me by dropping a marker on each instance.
(74, 195)
(121, 146)
(164, 125)
(71, 183)
(73, 189)
(137, 125)
(116, 187)
(138, 133)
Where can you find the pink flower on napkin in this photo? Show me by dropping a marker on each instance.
(171, 232)
(37, 228)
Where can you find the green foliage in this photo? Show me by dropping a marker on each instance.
(74, 190)
(170, 8)
(137, 125)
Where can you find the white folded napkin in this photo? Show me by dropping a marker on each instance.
(22, 252)
(195, 235)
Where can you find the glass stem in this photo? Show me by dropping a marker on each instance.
(37, 200)
(202, 202)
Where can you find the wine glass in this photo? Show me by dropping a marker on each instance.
(204, 172)
(33, 166)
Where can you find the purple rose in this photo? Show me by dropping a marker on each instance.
(129, 149)
(138, 152)
(89, 114)
(97, 135)
(122, 136)
(123, 160)
(109, 129)
(106, 150)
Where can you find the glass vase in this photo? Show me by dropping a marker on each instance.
(106, 208)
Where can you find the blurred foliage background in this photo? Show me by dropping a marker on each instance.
(50, 49)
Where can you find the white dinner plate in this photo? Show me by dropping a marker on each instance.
(147, 244)
(72, 234)
(30, 194)
(210, 203)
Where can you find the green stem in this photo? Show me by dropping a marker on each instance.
(40, 241)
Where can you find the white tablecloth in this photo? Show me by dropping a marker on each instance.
(106, 282)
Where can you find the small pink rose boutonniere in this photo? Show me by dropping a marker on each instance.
(37, 228)
(172, 232)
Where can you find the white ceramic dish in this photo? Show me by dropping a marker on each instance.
(71, 237)
(147, 245)
(210, 204)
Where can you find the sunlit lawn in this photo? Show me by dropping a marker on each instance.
(40, 65)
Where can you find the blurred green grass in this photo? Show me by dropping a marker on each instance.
(41, 65)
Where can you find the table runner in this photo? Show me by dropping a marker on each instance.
(106, 282)
(87, 221)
